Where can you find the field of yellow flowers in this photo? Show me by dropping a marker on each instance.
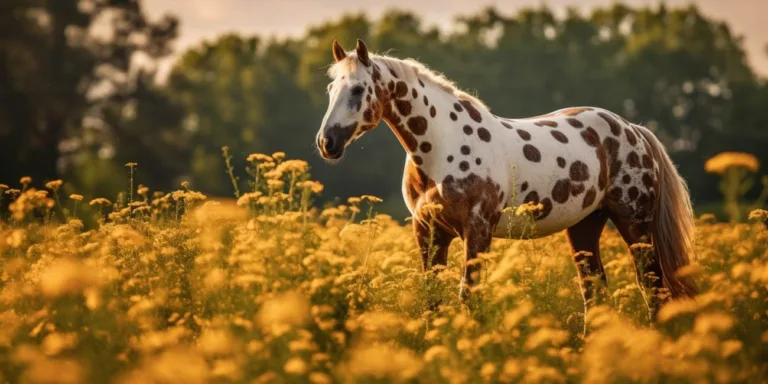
(177, 288)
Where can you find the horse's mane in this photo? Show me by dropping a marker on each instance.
(409, 69)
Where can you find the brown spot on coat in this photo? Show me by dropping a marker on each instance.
(457, 107)
(576, 123)
(633, 192)
(633, 160)
(484, 134)
(589, 197)
(591, 137)
(425, 147)
(602, 179)
(432, 111)
(574, 111)
(547, 123)
(421, 83)
(414, 93)
(418, 160)
(631, 138)
(531, 197)
(465, 149)
(577, 189)
(546, 209)
(615, 126)
(561, 190)
(524, 134)
(506, 125)
(368, 115)
(478, 161)
(406, 138)
(626, 179)
(401, 89)
(524, 186)
(391, 86)
(403, 107)
(453, 116)
(450, 158)
(474, 114)
(417, 125)
(531, 153)
(579, 171)
(647, 180)
(647, 162)
(426, 100)
(464, 166)
(560, 162)
(615, 194)
(392, 72)
(468, 130)
(559, 136)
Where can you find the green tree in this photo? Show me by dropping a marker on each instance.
(61, 62)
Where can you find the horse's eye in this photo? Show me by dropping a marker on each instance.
(358, 90)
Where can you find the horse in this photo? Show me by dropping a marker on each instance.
(578, 167)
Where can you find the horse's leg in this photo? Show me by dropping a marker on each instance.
(433, 243)
(584, 237)
(647, 267)
(477, 239)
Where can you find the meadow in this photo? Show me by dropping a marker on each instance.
(178, 288)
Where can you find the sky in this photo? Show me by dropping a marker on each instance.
(206, 19)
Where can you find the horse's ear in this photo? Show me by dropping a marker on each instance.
(362, 53)
(338, 51)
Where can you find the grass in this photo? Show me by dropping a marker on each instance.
(174, 288)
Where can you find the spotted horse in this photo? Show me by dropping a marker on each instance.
(578, 166)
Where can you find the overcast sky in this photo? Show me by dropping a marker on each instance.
(205, 19)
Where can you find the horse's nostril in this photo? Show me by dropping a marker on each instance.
(328, 145)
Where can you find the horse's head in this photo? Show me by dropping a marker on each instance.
(353, 108)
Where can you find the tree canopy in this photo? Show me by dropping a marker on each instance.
(676, 71)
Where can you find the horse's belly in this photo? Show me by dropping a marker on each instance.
(512, 226)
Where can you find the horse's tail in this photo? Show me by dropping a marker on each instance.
(672, 230)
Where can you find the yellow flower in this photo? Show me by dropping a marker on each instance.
(275, 184)
(295, 366)
(76, 197)
(54, 185)
(314, 186)
(529, 208)
(256, 157)
(724, 160)
(131, 165)
(26, 180)
(293, 166)
(100, 201)
(353, 200)
(278, 156)
(248, 198)
(758, 215)
(370, 198)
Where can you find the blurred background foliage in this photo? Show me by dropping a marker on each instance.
(80, 95)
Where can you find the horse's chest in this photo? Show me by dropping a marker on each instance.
(452, 202)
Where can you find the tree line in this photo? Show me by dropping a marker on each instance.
(77, 105)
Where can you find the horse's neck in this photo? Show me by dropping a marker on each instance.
(418, 111)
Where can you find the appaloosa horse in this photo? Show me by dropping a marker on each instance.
(581, 166)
